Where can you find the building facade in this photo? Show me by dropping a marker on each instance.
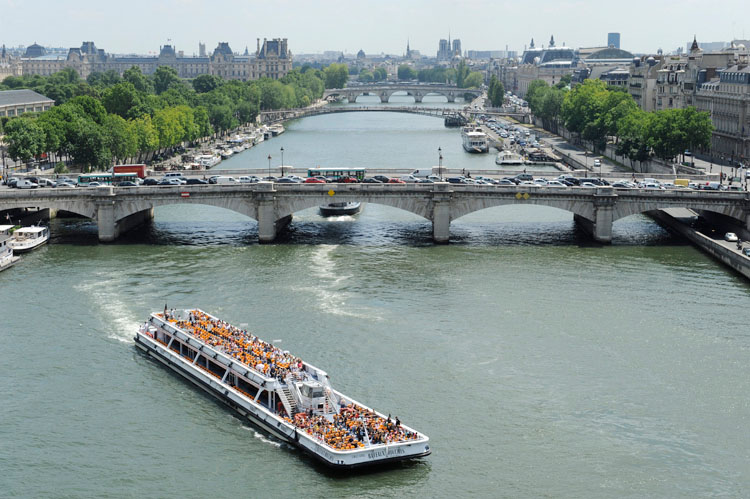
(17, 102)
(272, 59)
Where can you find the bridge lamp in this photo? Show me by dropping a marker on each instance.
(269, 165)
(440, 162)
(282, 160)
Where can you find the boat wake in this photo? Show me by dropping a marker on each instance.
(331, 298)
(121, 326)
(262, 437)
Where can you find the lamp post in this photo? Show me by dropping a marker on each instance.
(269, 165)
(440, 163)
(282, 161)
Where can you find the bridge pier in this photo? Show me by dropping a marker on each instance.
(418, 97)
(268, 224)
(384, 98)
(441, 213)
(110, 229)
(601, 227)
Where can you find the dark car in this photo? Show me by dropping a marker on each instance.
(372, 180)
(150, 181)
(127, 183)
(382, 178)
(169, 181)
(572, 180)
(195, 181)
(524, 177)
(286, 180)
(455, 180)
(12, 181)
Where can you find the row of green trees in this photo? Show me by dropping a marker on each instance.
(461, 76)
(377, 74)
(109, 117)
(596, 113)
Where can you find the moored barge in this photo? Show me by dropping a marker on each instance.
(277, 391)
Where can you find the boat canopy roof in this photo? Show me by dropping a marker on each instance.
(31, 230)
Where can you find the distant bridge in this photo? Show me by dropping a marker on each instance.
(385, 91)
(437, 112)
(118, 209)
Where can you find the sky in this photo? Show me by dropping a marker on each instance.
(142, 26)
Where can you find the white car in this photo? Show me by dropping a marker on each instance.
(597, 162)
(731, 237)
(26, 184)
(555, 183)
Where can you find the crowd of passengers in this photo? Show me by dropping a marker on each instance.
(351, 428)
(240, 344)
(345, 432)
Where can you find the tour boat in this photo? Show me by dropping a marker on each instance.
(7, 259)
(27, 238)
(506, 158)
(290, 399)
(474, 139)
(208, 160)
(339, 209)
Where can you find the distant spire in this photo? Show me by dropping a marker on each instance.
(694, 47)
(2, 56)
(408, 49)
(552, 40)
(532, 44)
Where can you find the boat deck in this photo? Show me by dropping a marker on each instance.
(353, 427)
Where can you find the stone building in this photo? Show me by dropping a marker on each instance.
(18, 102)
(272, 59)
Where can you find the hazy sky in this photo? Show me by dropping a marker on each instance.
(141, 26)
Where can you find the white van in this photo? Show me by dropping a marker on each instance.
(426, 172)
(225, 180)
(409, 178)
(172, 174)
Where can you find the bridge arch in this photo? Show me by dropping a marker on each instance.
(289, 205)
(733, 210)
(84, 209)
(581, 208)
(240, 205)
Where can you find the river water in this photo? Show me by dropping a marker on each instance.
(539, 364)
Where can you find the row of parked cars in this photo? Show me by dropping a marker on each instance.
(36, 182)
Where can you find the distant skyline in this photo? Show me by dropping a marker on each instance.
(140, 26)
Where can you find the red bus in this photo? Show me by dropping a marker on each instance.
(139, 170)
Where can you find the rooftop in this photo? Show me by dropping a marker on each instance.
(25, 96)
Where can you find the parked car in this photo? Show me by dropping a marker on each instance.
(65, 183)
(597, 162)
(127, 183)
(287, 180)
(746, 251)
(167, 181)
(314, 180)
(150, 181)
(45, 182)
(395, 180)
(731, 237)
(196, 181)
(382, 178)
(26, 184)
(371, 180)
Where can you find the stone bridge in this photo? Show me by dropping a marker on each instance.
(117, 210)
(384, 91)
(290, 114)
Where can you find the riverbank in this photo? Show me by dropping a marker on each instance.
(687, 223)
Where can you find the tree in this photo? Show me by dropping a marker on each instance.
(206, 83)
(336, 75)
(121, 98)
(104, 79)
(366, 76)
(137, 79)
(474, 80)
(379, 74)
(119, 138)
(24, 137)
(534, 94)
(146, 138)
(665, 135)
(582, 108)
(90, 107)
(461, 73)
(406, 72)
(697, 127)
(632, 138)
(496, 92)
(163, 77)
(87, 145)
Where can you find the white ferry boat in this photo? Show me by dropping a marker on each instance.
(277, 391)
(208, 160)
(474, 139)
(507, 158)
(28, 238)
(7, 259)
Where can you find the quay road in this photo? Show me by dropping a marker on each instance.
(118, 209)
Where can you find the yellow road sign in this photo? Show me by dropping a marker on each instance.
(331, 192)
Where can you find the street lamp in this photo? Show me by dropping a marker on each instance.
(282, 159)
(440, 163)
(269, 165)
